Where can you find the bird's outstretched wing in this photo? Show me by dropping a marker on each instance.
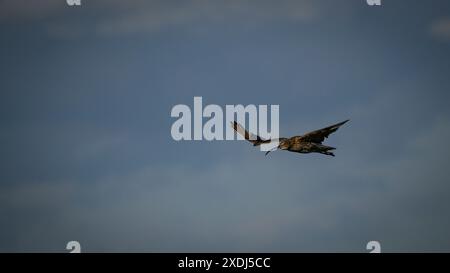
(318, 136)
(254, 139)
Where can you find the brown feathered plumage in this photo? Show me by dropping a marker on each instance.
(308, 143)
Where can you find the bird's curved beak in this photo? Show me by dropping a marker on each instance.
(274, 149)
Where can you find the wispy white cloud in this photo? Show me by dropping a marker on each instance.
(440, 29)
(117, 17)
(152, 16)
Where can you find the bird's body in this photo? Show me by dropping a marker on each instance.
(298, 146)
(307, 143)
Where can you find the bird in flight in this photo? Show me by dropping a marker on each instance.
(308, 143)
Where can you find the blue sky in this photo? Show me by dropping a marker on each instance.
(87, 155)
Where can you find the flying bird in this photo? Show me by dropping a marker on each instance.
(308, 143)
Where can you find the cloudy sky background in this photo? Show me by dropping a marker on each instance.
(86, 152)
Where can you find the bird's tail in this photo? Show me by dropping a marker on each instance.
(254, 139)
(323, 149)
